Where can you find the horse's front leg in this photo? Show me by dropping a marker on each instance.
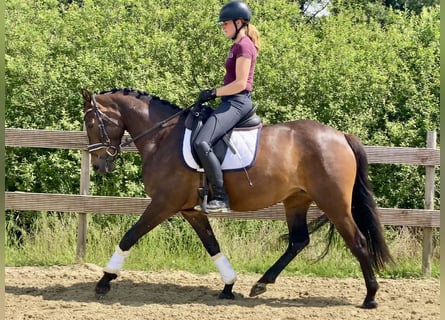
(151, 217)
(202, 227)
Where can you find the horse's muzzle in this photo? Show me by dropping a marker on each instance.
(104, 164)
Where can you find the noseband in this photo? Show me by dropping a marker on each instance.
(104, 138)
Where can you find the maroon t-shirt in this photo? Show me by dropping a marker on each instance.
(244, 48)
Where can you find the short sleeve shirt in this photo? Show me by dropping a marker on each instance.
(244, 48)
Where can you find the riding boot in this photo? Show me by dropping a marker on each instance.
(212, 168)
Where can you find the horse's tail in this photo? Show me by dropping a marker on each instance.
(364, 209)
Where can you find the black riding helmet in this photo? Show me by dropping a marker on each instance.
(235, 10)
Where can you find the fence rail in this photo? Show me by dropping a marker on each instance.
(23, 201)
(83, 204)
(77, 140)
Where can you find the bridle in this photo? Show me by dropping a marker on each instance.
(105, 143)
(104, 138)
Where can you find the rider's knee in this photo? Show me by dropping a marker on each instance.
(202, 146)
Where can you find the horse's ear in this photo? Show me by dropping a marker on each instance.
(86, 95)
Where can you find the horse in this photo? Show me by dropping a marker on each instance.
(298, 163)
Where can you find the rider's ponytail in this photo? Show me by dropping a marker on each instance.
(254, 35)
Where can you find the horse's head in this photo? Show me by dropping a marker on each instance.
(104, 130)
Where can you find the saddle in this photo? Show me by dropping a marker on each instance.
(198, 116)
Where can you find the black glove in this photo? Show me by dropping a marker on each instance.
(206, 95)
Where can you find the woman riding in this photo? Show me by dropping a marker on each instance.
(235, 96)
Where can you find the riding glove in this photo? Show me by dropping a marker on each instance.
(206, 95)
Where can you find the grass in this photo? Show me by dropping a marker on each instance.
(251, 247)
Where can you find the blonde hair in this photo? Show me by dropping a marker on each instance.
(254, 35)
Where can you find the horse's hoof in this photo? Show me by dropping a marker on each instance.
(369, 305)
(102, 290)
(257, 289)
(227, 292)
(226, 296)
(103, 286)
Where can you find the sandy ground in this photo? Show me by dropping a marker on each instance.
(67, 292)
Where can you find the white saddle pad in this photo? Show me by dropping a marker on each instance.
(244, 142)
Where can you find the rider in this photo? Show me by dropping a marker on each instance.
(235, 94)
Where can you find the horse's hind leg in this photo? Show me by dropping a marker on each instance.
(296, 211)
(357, 244)
(203, 229)
(339, 213)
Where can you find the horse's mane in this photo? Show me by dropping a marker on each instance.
(138, 94)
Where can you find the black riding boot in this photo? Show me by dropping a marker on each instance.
(212, 167)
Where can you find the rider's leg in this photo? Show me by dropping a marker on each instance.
(229, 112)
(212, 167)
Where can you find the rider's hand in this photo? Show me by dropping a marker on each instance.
(206, 95)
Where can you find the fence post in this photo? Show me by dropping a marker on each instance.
(429, 204)
(82, 217)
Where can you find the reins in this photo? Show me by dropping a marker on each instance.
(162, 124)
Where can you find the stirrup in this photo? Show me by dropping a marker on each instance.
(201, 207)
(217, 206)
(214, 206)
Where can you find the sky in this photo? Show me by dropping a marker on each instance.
(319, 8)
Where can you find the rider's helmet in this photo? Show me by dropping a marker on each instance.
(235, 10)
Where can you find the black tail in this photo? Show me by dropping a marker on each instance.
(364, 209)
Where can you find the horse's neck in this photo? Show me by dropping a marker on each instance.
(135, 119)
(144, 116)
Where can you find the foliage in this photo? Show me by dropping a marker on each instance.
(366, 70)
(335, 6)
(415, 6)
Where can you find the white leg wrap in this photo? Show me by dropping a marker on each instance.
(228, 275)
(117, 261)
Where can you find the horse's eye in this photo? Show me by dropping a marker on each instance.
(90, 126)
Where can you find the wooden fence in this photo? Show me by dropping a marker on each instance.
(428, 218)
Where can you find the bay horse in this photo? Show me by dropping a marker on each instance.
(298, 163)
